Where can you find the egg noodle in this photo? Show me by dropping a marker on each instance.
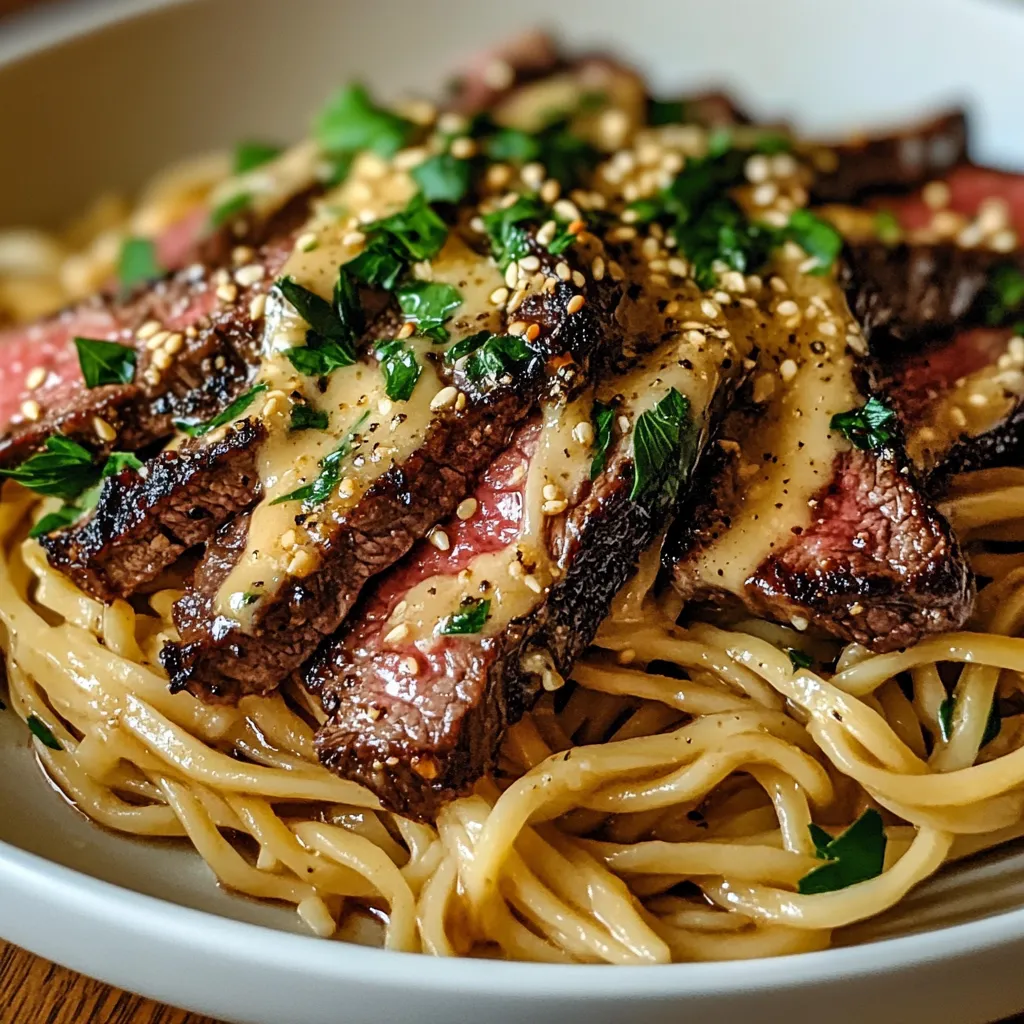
(655, 811)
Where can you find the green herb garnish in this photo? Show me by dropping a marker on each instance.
(230, 209)
(1003, 299)
(854, 856)
(992, 724)
(664, 443)
(816, 237)
(602, 416)
(137, 263)
(887, 227)
(400, 368)
(799, 659)
(305, 417)
(490, 355)
(509, 240)
(228, 415)
(566, 157)
(63, 470)
(351, 121)
(661, 112)
(428, 304)
(868, 427)
(105, 362)
(416, 233)
(470, 618)
(334, 326)
(252, 154)
(320, 489)
(42, 732)
(442, 178)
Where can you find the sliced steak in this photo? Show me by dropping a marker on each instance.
(418, 711)
(805, 527)
(145, 519)
(403, 499)
(906, 159)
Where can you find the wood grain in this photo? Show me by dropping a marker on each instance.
(34, 991)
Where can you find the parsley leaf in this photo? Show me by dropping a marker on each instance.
(137, 262)
(230, 209)
(228, 415)
(319, 356)
(855, 856)
(320, 489)
(63, 470)
(442, 178)
(868, 427)
(334, 326)
(470, 619)
(351, 121)
(105, 362)
(490, 355)
(661, 112)
(602, 416)
(305, 417)
(1003, 299)
(565, 156)
(509, 241)
(887, 227)
(415, 233)
(946, 717)
(992, 724)
(663, 451)
(252, 154)
(400, 368)
(64, 516)
(799, 659)
(42, 732)
(816, 237)
(117, 461)
(428, 304)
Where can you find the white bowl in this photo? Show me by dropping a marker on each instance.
(101, 93)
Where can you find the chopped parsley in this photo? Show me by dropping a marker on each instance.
(887, 227)
(105, 362)
(334, 326)
(1003, 299)
(602, 417)
(416, 233)
(799, 659)
(443, 178)
(228, 415)
(137, 263)
(351, 122)
(854, 856)
(870, 427)
(72, 510)
(64, 469)
(320, 489)
(664, 444)
(661, 112)
(252, 154)
(566, 157)
(992, 724)
(490, 355)
(230, 209)
(509, 239)
(400, 368)
(305, 417)
(471, 617)
(243, 598)
(816, 237)
(42, 732)
(428, 304)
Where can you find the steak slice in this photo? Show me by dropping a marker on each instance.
(805, 527)
(417, 714)
(145, 519)
(195, 343)
(906, 159)
(222, 660)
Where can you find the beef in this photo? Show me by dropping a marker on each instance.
(193, 377)
(146, 519)
(901, 161)
(400, 506)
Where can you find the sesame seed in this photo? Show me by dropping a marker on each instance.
(787, 308)
(439, 539)
(766, 194)
(444, 398)
(566, 209)
(694, 337)
(597, 268)
(533, 332)
(516, 301)
(529, 263)
(552, 492)
(220, 362)
(517, 327)
(958, 416)
(710, 309)
(460, 402)
(515, 569)
(616, 271)
(407, 330)
(533, 174)
(978, 398)
(353, 238)
(787, 369)
(533, 583)
(158, 340)
(227, 292)
(30, 409)
(347, 487)
(764, 387)
(799, 623)
(467, 508)
(678, 267)
(148, 329)
(463, 148)
(512, 274)
(499, 296)
(391, 761)
(241, 254)
(578, 279)
(562, 271)
(757, 169)
(625, 233)
(546, 232)
(554, 508)
(104, 431)
(302, 563)
(623, 422)
(35, 378)
(307, 242)
(783, 165)
(936, 194)
(384, 406)
(288, 539)
(162, 358)
(583, 432)
(1015, 346)
(550, 191)
(576, 303)
(398, 634)
(410, 666)
(151, 375)
(1003, 241)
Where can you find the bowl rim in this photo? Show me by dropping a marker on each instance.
(160, 921)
